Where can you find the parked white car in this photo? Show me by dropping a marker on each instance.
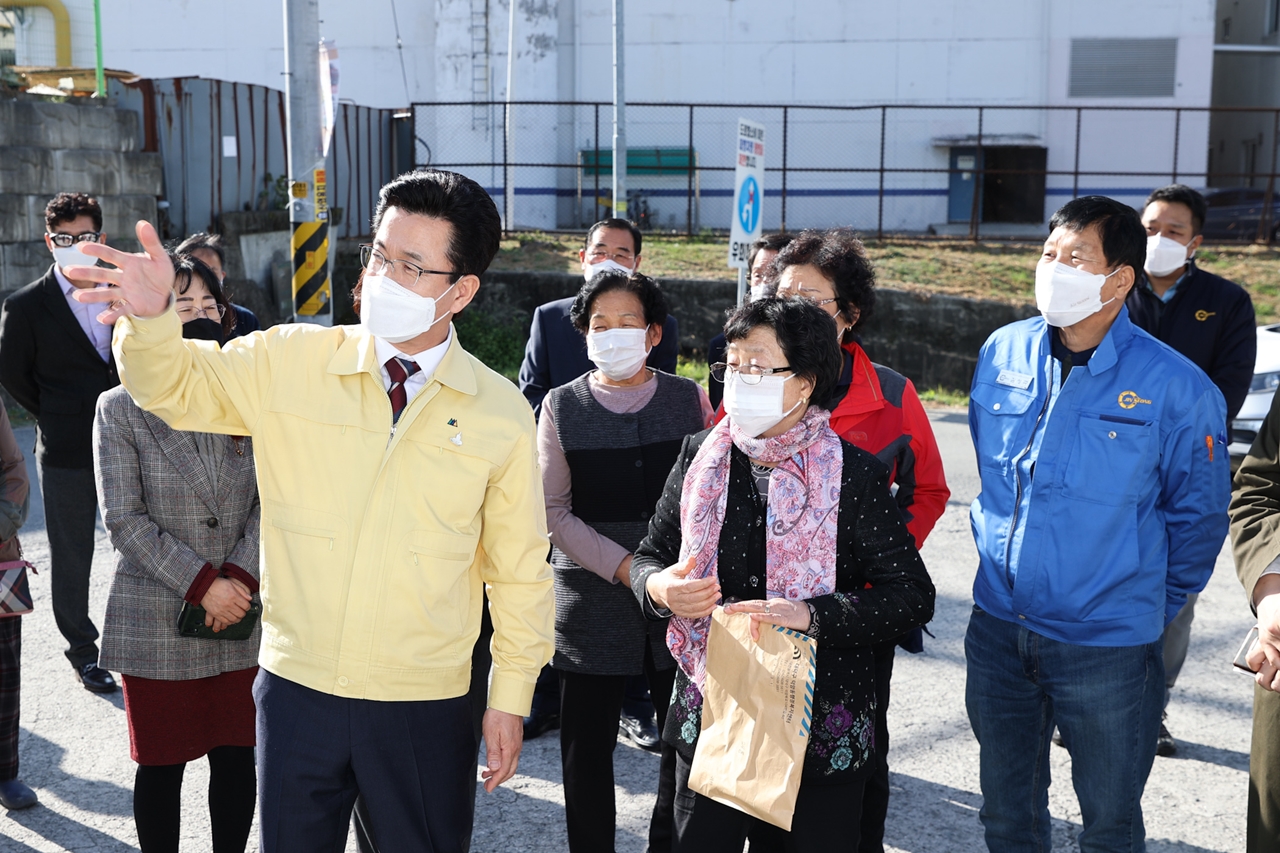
(1266, 379)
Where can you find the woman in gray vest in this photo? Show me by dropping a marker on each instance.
(606, 442)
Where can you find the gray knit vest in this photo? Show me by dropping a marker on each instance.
(618, 464)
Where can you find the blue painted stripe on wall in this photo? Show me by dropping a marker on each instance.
(498, 192)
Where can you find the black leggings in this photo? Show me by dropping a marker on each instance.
(233, 791)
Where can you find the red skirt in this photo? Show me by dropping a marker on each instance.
(173, 722)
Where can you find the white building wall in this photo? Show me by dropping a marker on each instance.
(795, 52)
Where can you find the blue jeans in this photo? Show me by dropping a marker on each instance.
(1106, 701)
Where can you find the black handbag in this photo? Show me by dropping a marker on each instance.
(191, 623)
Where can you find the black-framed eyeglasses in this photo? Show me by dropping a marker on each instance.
(750, 374)
(66, 241)
(379, 264)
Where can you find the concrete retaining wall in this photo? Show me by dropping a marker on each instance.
(932, 338)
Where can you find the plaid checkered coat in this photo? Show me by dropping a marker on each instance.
(165, 524)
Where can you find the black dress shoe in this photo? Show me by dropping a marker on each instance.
(536, 724)
(95, 678)
(14, 795)
(642, 732)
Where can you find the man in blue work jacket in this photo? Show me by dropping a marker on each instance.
(1103, 462)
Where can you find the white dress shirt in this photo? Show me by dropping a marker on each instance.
(87, 314)
(428, 360)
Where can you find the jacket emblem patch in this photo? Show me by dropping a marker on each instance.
(1203, 315)
(1130, 399)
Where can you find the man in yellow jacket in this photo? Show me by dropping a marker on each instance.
(398, 478)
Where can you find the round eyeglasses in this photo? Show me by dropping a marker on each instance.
(750, 374)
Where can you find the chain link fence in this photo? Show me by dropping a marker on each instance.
(943, 170)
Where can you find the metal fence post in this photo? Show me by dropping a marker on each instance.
(977, 184)
(688, 229)
(884, 114)
(1266, 221)
(1177, 133)
(595, 199)
(782, 226)
(1075, 175)
(506, 209)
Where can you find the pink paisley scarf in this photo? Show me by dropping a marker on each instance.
(803, 504)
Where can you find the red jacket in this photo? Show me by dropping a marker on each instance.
(880, 412)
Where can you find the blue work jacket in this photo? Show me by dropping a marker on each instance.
(1103, 498)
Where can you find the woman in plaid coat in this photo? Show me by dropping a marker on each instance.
(15, 487)
(182, 510)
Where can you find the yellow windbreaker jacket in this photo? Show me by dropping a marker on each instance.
(376, 544)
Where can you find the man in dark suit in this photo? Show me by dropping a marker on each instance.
(556, 353)
(1207, 318)
(55, 359)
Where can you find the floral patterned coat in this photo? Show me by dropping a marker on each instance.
(873, 547)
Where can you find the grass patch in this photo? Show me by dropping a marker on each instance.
(693, 368)
(948, 397)
(499, 345)
(1002, 271)
(19, 417)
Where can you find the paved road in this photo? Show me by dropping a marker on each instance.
(75, 744)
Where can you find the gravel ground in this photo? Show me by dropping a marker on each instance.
(75, 749)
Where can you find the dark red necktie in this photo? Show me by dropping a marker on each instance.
(396, 369)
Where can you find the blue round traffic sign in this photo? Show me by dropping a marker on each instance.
(749, 204)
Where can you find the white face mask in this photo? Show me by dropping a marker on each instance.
(588, 270)
(394, 313)
(72, 257)
(1066, 295)
(1164, 256)
(757, 292)
(618, 353)
(755, 408)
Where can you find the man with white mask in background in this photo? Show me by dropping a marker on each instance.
(399, 481)
(1208, 319)
(555, 355)
(55, 359)
(1102, 457)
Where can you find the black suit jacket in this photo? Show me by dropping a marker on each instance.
(556, 353)
(52, 369)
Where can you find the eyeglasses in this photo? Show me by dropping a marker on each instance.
(208, 308)
(794, 294)
(750, 374)
(402, 272)
(66, 241)
(600, 253)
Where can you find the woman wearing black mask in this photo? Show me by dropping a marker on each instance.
(182, 511)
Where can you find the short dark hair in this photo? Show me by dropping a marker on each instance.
(806, 333)
(645, 289)
(203, 241)
(1124, 238)
(458, 200)
(622, 225)
(771, 242)
(842, 258)
(65, 207)
(1182, 194)
(186, 268)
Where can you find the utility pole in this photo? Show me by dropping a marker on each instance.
(100, 77)
(508, 125)
(619, 115)
(308, 184)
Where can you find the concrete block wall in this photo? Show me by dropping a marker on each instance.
(932, 339)
(47, 148)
